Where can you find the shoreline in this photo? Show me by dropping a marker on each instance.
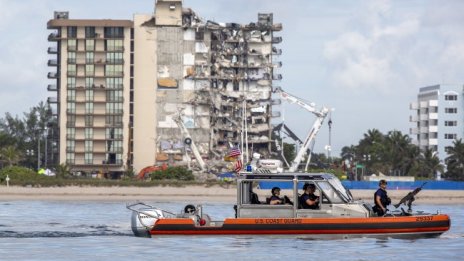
(200, 194)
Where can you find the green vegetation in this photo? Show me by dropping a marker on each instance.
(173, 173)
(394, 154)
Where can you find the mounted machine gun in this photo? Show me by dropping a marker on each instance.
(409, 198)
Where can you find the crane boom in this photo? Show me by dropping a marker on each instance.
(320, 116)
(187, 135)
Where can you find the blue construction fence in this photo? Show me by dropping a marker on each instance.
(373, 185)
(406, 185)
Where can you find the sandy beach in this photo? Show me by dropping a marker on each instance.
(200, 194)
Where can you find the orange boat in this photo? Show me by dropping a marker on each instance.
(338, 215)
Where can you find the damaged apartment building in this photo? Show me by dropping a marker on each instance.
(185, 82)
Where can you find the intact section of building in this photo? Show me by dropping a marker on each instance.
(168, 87)
(438, 117)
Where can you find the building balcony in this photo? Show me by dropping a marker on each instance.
(53, 37)
(424, 117)
(276, 51)
(52, 50)
(413, 118)
(52, 100)
(423, 104)
(53, 75)
(52, 88)
(433, 103)
(433, 128)
(433, 116)
(424, 129)
(413, 106)
(276, 39)
(52, 62)
(413, 131)
(433, 142)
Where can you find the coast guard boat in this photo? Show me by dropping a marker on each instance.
(337, 216)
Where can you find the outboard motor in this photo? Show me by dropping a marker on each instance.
(143, 220)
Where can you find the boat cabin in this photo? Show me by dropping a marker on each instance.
(254, 192)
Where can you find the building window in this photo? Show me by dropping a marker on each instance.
(114, 32)
(72, 31)
(89, 32)
(89, 57)
(451, 110)
(451, 97)
(114, 45)
(89, 108)
(89, 95)
(72, 45)
(88, 146)
(70, 158)
(71, 83)
(89, 69)
(89, 82)
(70, 133)
(71, 107)
(88, 120)
(451, 123)
(113, 70)
(114, 58)
(71, 57)
(88, 158)
(450, 136)
(71, 95)
(114, 83)
(71, 70)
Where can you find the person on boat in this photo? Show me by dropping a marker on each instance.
(275, 199)
(309, 200)
(381, 199)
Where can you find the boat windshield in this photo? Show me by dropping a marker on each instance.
(341, 189)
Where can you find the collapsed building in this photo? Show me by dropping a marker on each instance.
(223, 74)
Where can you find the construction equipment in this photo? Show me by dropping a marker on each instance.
(143, 172)
(320, 116)
(189, 141)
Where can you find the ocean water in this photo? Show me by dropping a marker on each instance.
(63, 230)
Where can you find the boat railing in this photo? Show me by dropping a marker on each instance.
(136, 207)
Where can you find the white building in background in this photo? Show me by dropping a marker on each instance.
(438, 117)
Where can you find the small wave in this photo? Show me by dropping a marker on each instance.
(55, 234)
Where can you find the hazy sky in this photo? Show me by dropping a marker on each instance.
(366, 59)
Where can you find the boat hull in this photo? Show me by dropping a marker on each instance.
(398, 226)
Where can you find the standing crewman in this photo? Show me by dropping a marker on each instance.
(381, 199)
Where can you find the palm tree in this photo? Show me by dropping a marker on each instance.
(430, 164)
(63, 170)
(10, 154)
(398, 146)
(455, 161)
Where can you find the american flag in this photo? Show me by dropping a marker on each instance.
(234, 152)
(238, 166)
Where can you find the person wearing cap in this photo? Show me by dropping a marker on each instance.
(275, 199)
(309, 200)
(381, 199)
